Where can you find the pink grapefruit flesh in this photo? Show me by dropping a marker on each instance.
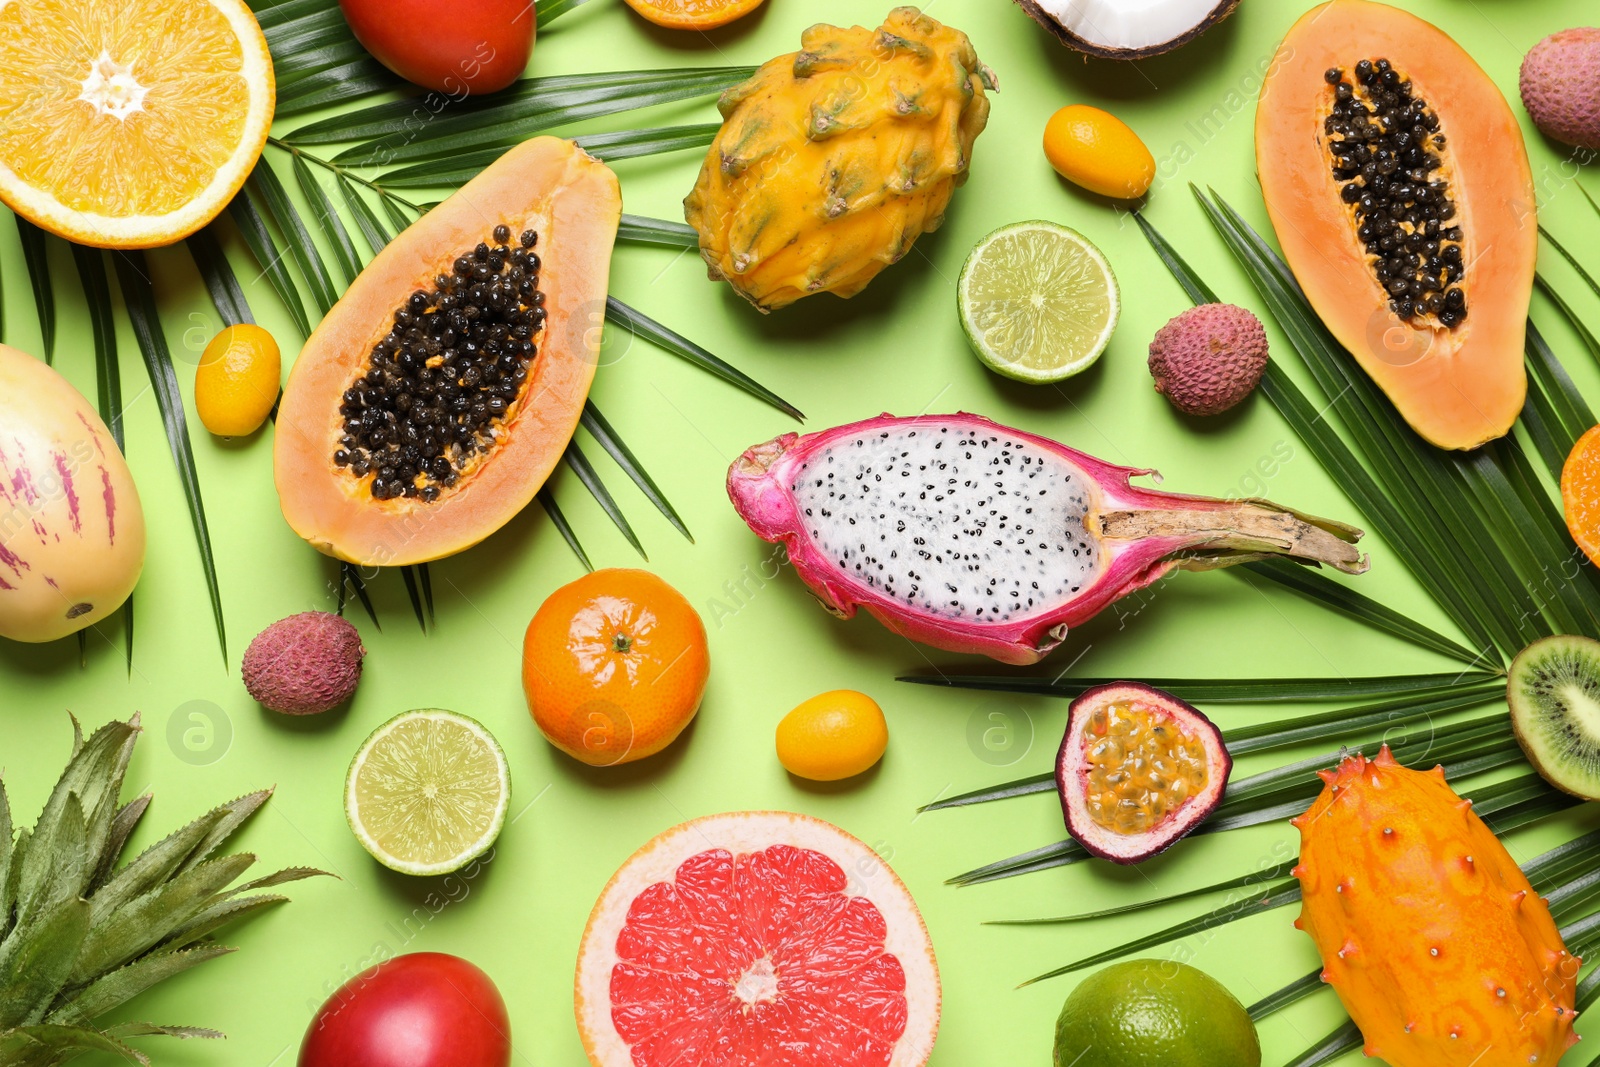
(757, 938)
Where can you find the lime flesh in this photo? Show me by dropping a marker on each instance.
(1154, 1013)
(427, 793)
(1038, 302)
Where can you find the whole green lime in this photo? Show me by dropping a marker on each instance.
(1154, 1013)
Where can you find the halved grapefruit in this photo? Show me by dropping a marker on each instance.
(757, 938)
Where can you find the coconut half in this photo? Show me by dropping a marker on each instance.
(1127, 29)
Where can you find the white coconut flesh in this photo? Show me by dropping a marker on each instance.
(1129, 25)
(963, 523)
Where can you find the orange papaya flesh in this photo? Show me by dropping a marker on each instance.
(572, 205)
(1458, 383)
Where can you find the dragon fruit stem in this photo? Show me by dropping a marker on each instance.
(1212, 537)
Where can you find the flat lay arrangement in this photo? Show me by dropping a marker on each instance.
(665, 517)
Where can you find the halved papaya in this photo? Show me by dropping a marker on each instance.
(1398, 183)
(436, 397)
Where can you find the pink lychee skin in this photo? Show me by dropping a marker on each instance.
(1560, 84)
(304, 665)
(758, 484)
(1209, 358)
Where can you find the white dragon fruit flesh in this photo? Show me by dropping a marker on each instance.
(970, 536)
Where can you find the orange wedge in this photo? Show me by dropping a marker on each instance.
(129, 123)
(1580, 493)
(693, 14)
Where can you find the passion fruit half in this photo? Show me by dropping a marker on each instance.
(1138, 771)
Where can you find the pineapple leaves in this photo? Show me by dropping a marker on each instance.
(119, 986)
(37, 960)
(116, 938)
(49, 1043)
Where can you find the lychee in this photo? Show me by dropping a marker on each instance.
(1209, 358)
(304, 665)
(1560, 85)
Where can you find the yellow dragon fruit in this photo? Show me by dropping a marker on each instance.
(1439, 948)
(833, 160)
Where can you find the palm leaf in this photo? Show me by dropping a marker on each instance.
(1318, 586)
(641, 325)
(140, 299)
(547, 501)
(1439, 512)
(1584, 333)
(550, 10)
(642, 230)
(44, 299)
(1588, 278)
(279, 208)
(227, 295)
(350, 576)
(1295, 991)
(1221, 691)
(1341, 723)
(327, 217)
(1392, 522)
(372, 227)
(457, 170)
(426, 581)
(602, 431)
(107, 376)
(591, 481)
(414, 593)
(253, 227)
(388, 135)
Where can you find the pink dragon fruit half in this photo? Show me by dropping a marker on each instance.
(969, 536)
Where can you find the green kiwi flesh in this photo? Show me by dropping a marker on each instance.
(1554, 693)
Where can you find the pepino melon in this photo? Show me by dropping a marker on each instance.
(71, 526)
(1398, 183)
(436, 397)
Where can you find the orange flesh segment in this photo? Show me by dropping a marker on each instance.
(693, 14)
(1141, 767)
(1580, 493)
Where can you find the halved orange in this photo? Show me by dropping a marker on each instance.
(129, 123)
(1580, 493)
(693, 14)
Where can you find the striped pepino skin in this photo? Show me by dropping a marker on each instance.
(72, 532)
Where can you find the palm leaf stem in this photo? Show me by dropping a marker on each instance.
(139, 298)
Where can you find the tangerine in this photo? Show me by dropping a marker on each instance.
(614, 666)
(1580, 493)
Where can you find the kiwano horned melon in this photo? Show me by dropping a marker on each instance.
(434, 400)
(1437, 945)
(833, 160)
(1398, 183)
(71, 527)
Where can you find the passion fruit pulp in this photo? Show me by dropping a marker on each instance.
(1138, 770)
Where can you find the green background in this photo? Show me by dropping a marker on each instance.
(898, 348)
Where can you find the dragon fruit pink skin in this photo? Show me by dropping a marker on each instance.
(969, 536)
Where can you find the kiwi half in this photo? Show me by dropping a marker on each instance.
(1554, 693)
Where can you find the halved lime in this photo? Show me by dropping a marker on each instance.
(427, 793)
(1038, 301)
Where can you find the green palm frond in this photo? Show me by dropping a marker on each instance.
(139, 297)
(44, 298)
